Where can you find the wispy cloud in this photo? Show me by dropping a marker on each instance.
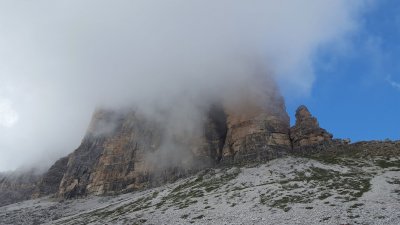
(393, 83)
(8, 116)
(146, 53)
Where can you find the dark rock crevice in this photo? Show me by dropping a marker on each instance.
(216, 131)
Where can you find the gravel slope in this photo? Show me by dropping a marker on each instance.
(290, 190)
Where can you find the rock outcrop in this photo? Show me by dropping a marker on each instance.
(126, 151)
(50, 181)
(132, 152)
(18, 186)
(107, 156)
(306, 133)
(129, 150)
(257, 131)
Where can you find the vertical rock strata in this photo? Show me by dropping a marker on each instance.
(122, 165)
(128, 151)
(132, 152)
(109, 156)
(125, 151)
(257, 131)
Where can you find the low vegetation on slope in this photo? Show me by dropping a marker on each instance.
(330, 188)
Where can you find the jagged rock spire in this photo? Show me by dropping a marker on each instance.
(307, 132)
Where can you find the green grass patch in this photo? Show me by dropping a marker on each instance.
(384, 163)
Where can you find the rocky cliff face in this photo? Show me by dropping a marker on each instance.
(108, 154)
(257, 131)
(130, 155)
(50, 180)
(18, 186)
(126, 151)
(307, 133)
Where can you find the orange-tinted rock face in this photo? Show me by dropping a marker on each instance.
(111, 159)
(128, 151)
(122, 163)
(306, 132)
(131, 152)
(257, 131)
(258, 124)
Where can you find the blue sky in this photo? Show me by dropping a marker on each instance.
(356, 94)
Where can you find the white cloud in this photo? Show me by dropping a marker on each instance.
(8, 116)
(62, 58)
(393, 83)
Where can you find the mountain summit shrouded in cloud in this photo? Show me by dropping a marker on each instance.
(59, 61)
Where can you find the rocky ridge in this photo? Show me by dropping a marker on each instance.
(122, 152)
(126, 151)
(18, 186)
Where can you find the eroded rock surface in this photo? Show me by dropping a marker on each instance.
(258, 129)
(18, 186)
(50, 181)
(132, 151)
(125, 151)
(307, 133)
(106, 158)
